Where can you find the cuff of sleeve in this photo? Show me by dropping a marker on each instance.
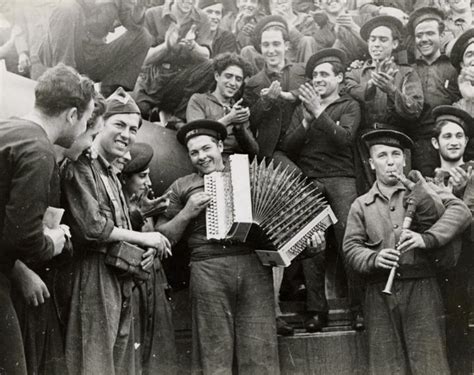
(430, 241)
(371, 261)
(109, 227)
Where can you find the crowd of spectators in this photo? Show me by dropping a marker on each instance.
(335, 89)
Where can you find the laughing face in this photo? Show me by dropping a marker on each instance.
(206, 154)
(428, 39)
(451, 143)
(381, 43)
(229, 81)
(214, 13)
(118, 135)
(325, 82)
(273, 48)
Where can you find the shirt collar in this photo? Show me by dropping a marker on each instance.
(375, 192)
(441, 59)
(272, 74)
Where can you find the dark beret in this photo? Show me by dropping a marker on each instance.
(207, 3)
(388, 21)
(265, 23)
(121, 102)
(387, 137)
(424, 14)
(201, 127)
(141, 155)
(326, 55)
(456, 115)
(460, 46)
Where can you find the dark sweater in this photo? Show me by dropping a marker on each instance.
(326, 148)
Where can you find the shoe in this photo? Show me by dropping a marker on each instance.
(316, 323)
(358, 322)
(283, 328)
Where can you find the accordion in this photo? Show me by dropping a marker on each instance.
(286, 208)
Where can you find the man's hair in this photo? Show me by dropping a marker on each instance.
(439, 128)
(286, 36)
(224, 60)
(441, 25)
(100, 106)
(338, 68)
(61, 88)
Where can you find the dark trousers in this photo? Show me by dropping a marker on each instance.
(12, 357)
(233, 316)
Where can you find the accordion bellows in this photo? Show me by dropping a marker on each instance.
(285, 206)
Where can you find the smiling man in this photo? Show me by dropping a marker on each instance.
(233, 314)
(230, 70)
(375, 242)
(319, 141)
(438, 78)
(102, 305)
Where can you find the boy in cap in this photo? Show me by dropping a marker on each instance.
(438, 78)
(387, 92)
(272, 93)
(452, 130)
(100, 336)
(233, 313)
(405, 329)
(29, 185)
(319, 141)
(462, 58)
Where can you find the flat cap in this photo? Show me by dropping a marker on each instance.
(387, 21)
(389, 137)
(424, 14)
(264, 24)
(201, 127)
(456, 115)
(121, 102)
(326, 55)
(141, 155)
(457, 52)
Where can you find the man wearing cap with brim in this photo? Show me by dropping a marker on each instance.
(406, 331)
(462, 57)
(272, 93)
(154, 318)
(100, 336)
(233, 312)
(453, 129)
(320, 142)
(438, 78)
(387, 92)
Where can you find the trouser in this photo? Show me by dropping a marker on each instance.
(233, 316)
(12, 357)
(340, 193)
(406, 330)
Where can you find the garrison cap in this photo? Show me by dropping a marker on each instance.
(457, 52)
(326, 55)
(121, 102)
(388, 21)
(387, 137)
(456, 115)
(207, 3)
(201, 127)
(141, 155)
(424, 14)
(264, 24)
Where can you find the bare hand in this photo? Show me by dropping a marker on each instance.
(24, 62)
(356, 64)
(151, 207)
(459, 178)
(155, 240)
(32, 288)
(248, 29)
(387, 258)
(310, 99)
(238, 114)
(272, 92)
(172, 36)
(317, 241)
(384, 82)
(58, 238)
(346, 20)
(148, 258)
(410, 240)
(196, 203)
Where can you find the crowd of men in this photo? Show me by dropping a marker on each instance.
(355, 94)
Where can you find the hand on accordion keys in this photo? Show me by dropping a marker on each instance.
(317, 243)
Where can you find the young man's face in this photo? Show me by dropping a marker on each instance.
(229, 81)
(205, 154)
(468, 56)
(281, 7)
(118, 135)
(84, 141)
(137, 183)
(451, 143)
(428, 38)
(247, 8)
(459, 5)
(214, 13)
(387, 162)
(381, 43)
(325, 81)
(184, 6)
(333, 6)
(273, 48)
(74, 125)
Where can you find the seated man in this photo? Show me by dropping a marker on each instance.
(233, 312)
(375, 241)
(230, 71)
(76, 37)
(452, 131)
